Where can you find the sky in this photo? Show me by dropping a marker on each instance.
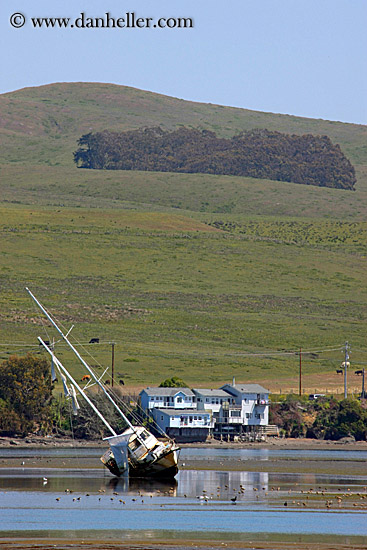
(300, 57)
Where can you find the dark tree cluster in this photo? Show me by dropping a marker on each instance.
(25, 396)
(307, 159)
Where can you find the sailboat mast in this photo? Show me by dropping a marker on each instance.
(81, 360)
(65, 371)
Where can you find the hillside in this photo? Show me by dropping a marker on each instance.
(43, 123)
(188, 273)
(39, 129)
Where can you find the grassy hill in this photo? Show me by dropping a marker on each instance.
(39, 128)
(190, 274)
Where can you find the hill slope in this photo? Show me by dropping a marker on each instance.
(39, 128)
(61, 113)
(187, 273)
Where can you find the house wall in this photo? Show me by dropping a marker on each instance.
(213, 404)
(196, 419)
(178, 401)
(189, 435)
(254, 408)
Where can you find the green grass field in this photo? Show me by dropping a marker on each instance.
(191, 275)
(183, 298)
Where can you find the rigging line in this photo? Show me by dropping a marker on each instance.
(137, 417)
(123, 404)
(43, 323)
(75, 340)
(141, 413)
(72, 337)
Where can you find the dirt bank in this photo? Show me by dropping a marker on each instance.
(271, 442)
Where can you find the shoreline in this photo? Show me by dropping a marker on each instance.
(270, 443)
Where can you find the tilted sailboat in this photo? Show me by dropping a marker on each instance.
(135, 452)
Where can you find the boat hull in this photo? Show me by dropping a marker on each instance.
(164, 467)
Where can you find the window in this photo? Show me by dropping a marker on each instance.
(161, 417)
(207, 399)
(236, 413)
(195, 417)
(247, 415)
(199, 417)
(179, 399)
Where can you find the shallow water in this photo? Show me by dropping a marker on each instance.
(195, 453)
(197, 501)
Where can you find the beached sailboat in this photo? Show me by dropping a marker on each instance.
(136, 452)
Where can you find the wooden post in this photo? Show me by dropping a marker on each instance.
(113, 363)
(300, 371)
(346, 359)
(363, 395)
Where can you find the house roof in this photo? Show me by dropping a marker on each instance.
(246, 388)
(211, 393)
(180, 412)
(171, 392)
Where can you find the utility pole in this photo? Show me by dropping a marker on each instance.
(300, 371)
(363, 395)
(346, 359)
(113, 363)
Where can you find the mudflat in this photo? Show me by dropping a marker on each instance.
(282, 463)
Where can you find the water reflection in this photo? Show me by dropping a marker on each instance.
(218, 485)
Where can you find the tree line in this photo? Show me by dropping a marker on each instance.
(306, 159)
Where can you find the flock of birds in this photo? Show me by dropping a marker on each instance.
(313, 497)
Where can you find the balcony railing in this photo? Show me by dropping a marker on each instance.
(196, 425)
(230, 420)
